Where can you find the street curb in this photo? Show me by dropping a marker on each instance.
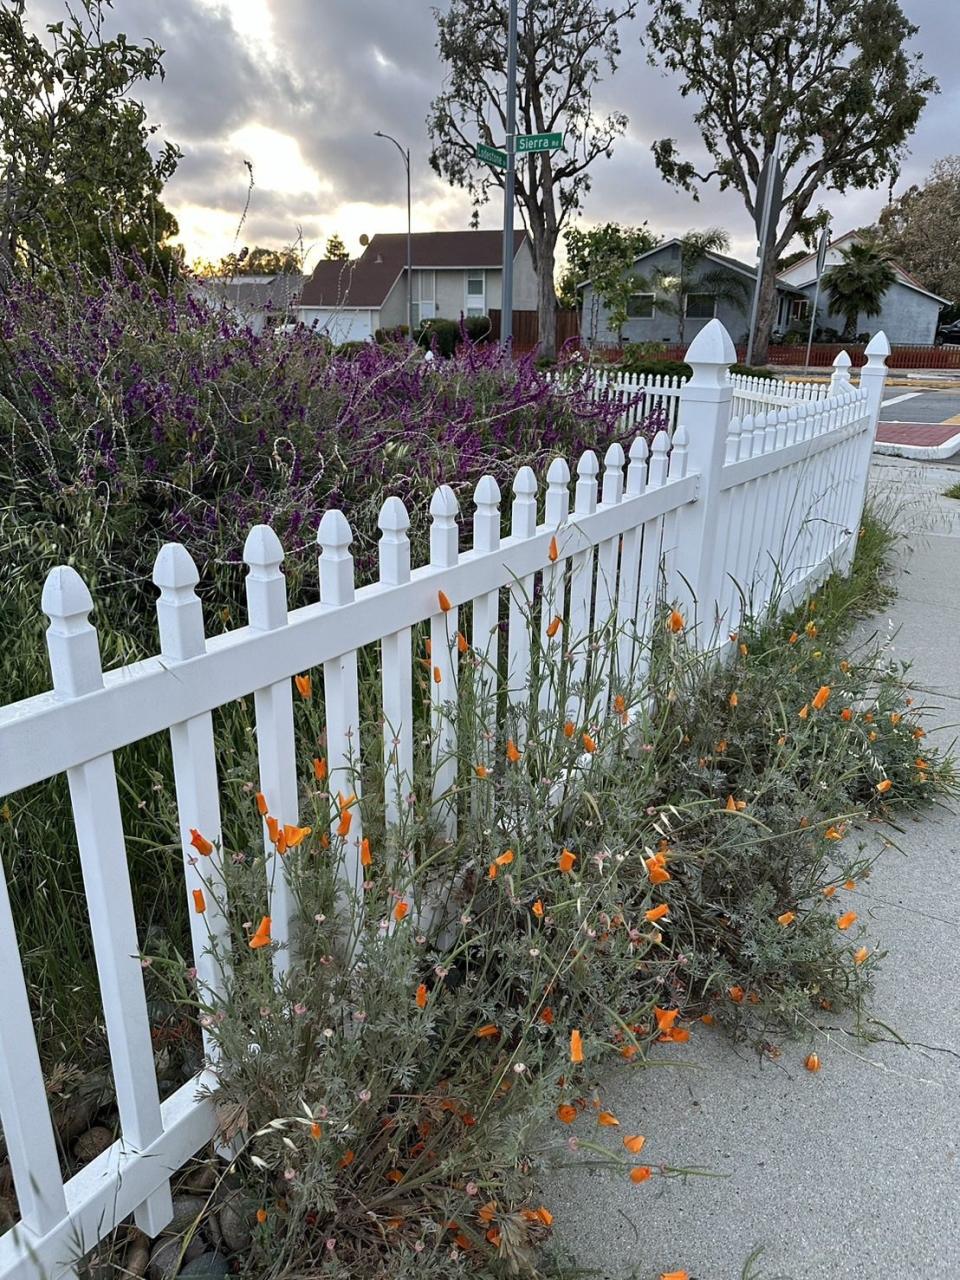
(920, 452)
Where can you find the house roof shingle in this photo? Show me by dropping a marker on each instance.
(366, 281)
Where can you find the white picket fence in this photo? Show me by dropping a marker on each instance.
(769, 500)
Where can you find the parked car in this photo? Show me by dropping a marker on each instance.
(949, 333)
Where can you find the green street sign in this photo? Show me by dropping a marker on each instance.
(491, 155)
(527, 142)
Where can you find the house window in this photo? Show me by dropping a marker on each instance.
(476, 300)
(424, 299)
(640, 306)
(800, 309)
(701, 306)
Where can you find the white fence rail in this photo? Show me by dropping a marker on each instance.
(768, 500)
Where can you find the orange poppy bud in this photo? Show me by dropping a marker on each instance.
(444, 601)
(346, 820)
(812, 1062)
(833, 833)
(707, 1019)
(200, 843)
(462, 645)
(860, 955)
(657, 871)
(316, 1131)
(554, 626)
(675, 1275)
(262, 936)
(589, 744)
(576, 1046)
(634, 1144)
(437, 675)
(400, 911)
(849, 884)
(261, 800)
(736, 994)
(793, 638)
(744, 651)
(811, 629)
(675, 1035)
(480, 770)
(566, 1114)
(676, 622)
(846, 714)
(788, 917)
(365, 855)
(346, 1159)
(665, 1018)
(421, 996)
(273, 829)
(487, 1031)
(895, 717)
(546, 1017)
(428, 647)
(513, 755)
(325, 840)
(295, 835)
(641, 1173)
(804, 711)
(846, 920)
(607, 1119)
(731, 804)
(884, 786)
(261, 1216)
(569, 729)
(657, 913)
(829, 891)
(819, 700)
(537, 909)
(554, 551)
(566, 861)
(319, 769)
(199, 902)
(733, 699)
(505, 858)
(304, 686)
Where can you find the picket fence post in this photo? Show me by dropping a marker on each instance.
(704, 410)
(873, 379)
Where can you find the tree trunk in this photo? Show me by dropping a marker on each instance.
(546, 295)
(767, 309)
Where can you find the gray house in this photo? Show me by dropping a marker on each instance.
(909, 316)
(260, 301)
(653, 311)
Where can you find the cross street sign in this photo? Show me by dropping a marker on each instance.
(491, 155)
(527, 142)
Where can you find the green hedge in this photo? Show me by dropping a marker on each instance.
(679, 369)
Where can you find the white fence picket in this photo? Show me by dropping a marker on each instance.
(444, 629)
(396, 662)
(484, 635)
(552, 618)
(75, 666)
(521, 616)
(581, 590)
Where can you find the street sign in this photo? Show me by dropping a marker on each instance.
(771, 165)
(491, 155)
(527, 142)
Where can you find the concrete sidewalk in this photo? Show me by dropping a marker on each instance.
(853, 1173)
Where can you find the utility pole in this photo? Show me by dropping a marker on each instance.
(774, 183)
(405, 153)
(506, 285)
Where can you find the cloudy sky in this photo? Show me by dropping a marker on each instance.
(297, 87)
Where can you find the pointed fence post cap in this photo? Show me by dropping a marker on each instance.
(262, 548)
(558, 472)
(393, 517)
(712, 345)
(878, 346)
(525, 482)
(487, 492)
(614, 457)
(588, 464)
(639, 450)
(842, 361)
(65, 594)
(334, 530)
(444, 502)
(174, 568)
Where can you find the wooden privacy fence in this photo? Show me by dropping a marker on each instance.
(822, 355)
(526, 328)
(769, 500)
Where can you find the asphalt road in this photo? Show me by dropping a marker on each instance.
(901, 405)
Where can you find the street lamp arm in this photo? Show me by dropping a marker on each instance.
(405, 154)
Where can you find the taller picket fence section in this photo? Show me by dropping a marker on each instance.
(748, 492)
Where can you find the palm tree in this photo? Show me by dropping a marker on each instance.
(857, 285)
(673, 288)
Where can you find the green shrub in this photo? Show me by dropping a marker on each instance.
(642, 367)
(398, 333)
(350, 350)
(440, 335)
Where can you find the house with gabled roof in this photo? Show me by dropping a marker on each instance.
(909, 316)
(455, 273)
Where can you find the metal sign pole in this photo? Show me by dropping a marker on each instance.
(771, 183)
(506, 285)
(821, 259)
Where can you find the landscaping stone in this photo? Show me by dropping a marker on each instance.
(236, 1219)
(209, 1266)
(186, 1210)
(164, 1261)
(92, 1143)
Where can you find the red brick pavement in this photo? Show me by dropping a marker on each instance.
(924, 434)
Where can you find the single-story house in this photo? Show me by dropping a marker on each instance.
(910, 313)
(260, 300)
(726, 294)
(454, 273)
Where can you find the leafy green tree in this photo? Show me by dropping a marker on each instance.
(563, 47)
(258, 262)
(336, 250)
(603, 255)
(77, 178)
(857, 285)
(834, 77)
(673, 288)
(921, 229)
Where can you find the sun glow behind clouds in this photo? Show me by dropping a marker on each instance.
(278, 164)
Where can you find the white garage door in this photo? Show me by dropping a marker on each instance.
(341, 325)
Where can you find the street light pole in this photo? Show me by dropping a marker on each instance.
(506, 284)
(405, 154)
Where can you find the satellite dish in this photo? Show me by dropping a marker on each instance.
(364, 239)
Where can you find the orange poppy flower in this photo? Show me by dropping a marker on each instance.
(736, 994)
(919, 733)
(554, 551)
(641, 1173)
(657, 872)
(261, 1216)
(849, 884)
(846, 920)
(589, 744)
(346, 1159)
(576, 1046)
(676, 622)
(820, 697)
(487, 1031)
(788, 917)
(811, 629)
(566, 1113)
(421, 996)
(513, 755)
(619, 705)
(733, 699)
(295, 835)
(537, 909)
(200, 843)
(812, 1062)
(833, 833)
(675, 1275)
(674, 1035)
(319, 769)
(444, 602)
(554, 626)
(829, 891)
(400, 911)
(346, 820)
(199, 902)
(487, 1212)
(273, 829)
(657, 913)
(721, 747)
(546, 1017)
(366, 857)
(846, 714)
(607, 1119)
(895, 717)
(869, 717)
(325, 840)
(860, 955)
(462, 645)
(884, 786)
(437, 675)
(261, 800)
(262, 936)
(569, 729)
(793, 638)
(566, 861)
(316, 1131)
(665, 1018)
(634, 1143)
(304, 686)
(707, 1019)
